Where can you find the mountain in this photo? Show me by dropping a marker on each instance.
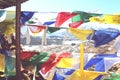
(52, 38)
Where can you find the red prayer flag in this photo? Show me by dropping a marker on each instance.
(26, 55)
(75, 24)
(52, 61)
(62, 17)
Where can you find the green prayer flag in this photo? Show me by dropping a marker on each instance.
(76, 18)
(113, 76)
(52, 29)
(84, 16)
(10, 66)
(39, 57)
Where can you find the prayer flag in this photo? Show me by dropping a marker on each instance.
(102, 37)
(52, 29)
(106, 19)
(7, 26)
(80, 33)
(75, 24)
(68, 62)
(81, 17)
(25, 16)
(36, 29)
(52, 61)
(10, 63)
(62, 17)
(87, 75)
(62, 73)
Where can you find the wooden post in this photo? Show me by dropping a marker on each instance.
(17, 28)
(65, 37)
(44, 41)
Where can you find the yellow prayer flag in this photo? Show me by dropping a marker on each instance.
(67, 62)
(112, 19)
(80, 33)
(107, 19)
(87, 75)
(7, 26)
(96, 19)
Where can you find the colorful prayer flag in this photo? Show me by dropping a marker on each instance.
(106, 19)
(80, 33)
(62, 17)
(81, 17)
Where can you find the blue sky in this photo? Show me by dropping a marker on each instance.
(104, 6)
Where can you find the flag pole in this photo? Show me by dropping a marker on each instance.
(44, 38)
(17, 33)
(65, 37)
(81, 60)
